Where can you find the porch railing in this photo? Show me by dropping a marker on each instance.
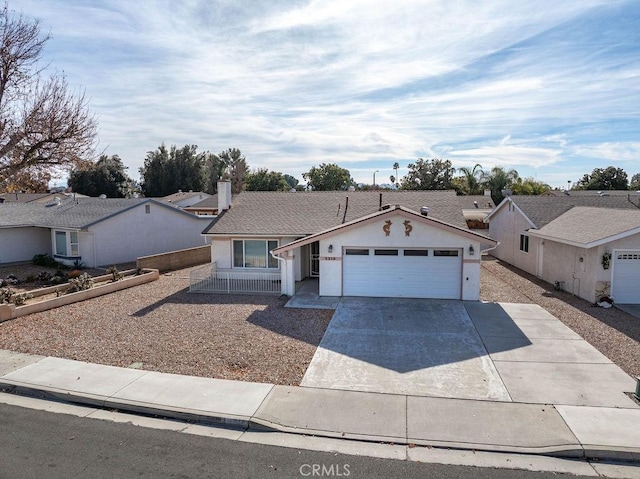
(208, 279)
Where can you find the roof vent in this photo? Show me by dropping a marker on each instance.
(103, 196)
(424, 211)
(475, 203)
(385, 207)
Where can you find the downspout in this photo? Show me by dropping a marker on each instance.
(490, 249)
(283, 268)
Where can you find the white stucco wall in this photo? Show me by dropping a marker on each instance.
(585, 278)
(506, 225)
(422, 236)
(21, 244)
(135, 233)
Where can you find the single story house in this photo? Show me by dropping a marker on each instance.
(95, 231)
(357, 243)
(586, 245)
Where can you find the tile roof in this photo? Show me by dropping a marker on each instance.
(541, 210)
(70, 213)
(587, 225)
(303, 213)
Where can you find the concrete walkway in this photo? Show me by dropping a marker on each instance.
(570, 431)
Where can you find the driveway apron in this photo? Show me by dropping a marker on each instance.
(405, 346)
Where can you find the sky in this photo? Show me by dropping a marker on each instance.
(548, 88)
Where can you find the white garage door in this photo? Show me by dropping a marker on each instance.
(626, 277)
(406, 273)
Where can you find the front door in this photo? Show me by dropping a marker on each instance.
(314, 260)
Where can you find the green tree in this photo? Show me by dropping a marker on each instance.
(107, 176)
(328, 177)
(236, 168)
(264, 180)
(635, 182)
(433, 174)
(394, 178)
(609, 178)
(529, 186)
(471, 180)
(292, 181)
(44, 127)
(500, 179)
(166, 171)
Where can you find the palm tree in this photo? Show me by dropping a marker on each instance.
(396, 166)
(472, 179)
(500, 179)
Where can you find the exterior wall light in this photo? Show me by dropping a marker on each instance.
(472, 251)
(330, 248)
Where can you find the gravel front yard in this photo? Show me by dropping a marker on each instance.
(167, 329)
(613, 332)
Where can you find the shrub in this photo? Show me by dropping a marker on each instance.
(5, 295)
(81, 283)
(46, 261)
(44, 277)
(20, 298)
(12, 279)
(115, 275)
(74, 273)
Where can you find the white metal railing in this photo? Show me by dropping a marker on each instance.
(208, 279)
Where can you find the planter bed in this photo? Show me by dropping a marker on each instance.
(102, 285)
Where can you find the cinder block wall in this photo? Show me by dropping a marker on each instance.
(173, 260)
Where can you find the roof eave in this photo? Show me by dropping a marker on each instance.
(375, 217)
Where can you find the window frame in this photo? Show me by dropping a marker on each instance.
(71, 244)
(270, 262)
(524, 243)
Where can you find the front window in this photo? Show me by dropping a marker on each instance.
(61, 243)
(254, 254)
(67, 244)
(73, 242)
(524, 243)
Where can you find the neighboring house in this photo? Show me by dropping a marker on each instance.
(206, 207)
(563, 241)
(35, 197)
(95, 231)
(365, 243)
(184, 199)
(624, 193)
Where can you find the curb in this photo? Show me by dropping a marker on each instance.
(572, 451)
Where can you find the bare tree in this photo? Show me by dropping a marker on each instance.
(44, 126)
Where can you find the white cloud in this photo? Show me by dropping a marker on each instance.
(362, 84)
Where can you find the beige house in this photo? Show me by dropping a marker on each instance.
(586, 245)
(361, 243)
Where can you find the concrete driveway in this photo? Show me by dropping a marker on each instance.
(404, 346)
(470, 350)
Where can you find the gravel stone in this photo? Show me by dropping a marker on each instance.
(167, 329)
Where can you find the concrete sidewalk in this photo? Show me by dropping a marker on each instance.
(569, 431)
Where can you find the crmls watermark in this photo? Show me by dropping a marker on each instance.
(322, 470)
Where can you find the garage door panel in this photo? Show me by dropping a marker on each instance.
(415, 276)
(625, 287)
